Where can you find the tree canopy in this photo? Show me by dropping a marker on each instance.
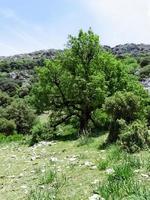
(78, 80)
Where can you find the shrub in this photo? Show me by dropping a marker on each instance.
(101, 118)
(7, 126)
(122, 105)
(3, 112)
(135, 136)
(66, 130)
(145, 71)
(9, 85)
(22, 114)
(40, 131)
(145, 61)
(4, 99)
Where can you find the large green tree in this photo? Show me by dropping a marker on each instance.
(76, 82)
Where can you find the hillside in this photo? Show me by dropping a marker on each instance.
(17, 72)
(82, 132)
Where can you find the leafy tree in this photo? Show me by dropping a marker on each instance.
(21, 113)
(122, 105)
(76, 82)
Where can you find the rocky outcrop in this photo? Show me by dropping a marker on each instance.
(17, 72)
(132, 49)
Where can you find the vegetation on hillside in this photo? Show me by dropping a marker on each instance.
(94, 115)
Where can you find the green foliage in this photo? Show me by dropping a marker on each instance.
(65, 130)
(9, 85)
(40, 131)
(131, 64)
(122, 105)
(11, 138)
(145, 60)
(22, 114)
(135, 136)
(76, 83)
(4, 99)
(145, 71)
(101, 118)
(7, 127)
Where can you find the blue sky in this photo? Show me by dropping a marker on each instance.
(29, 25)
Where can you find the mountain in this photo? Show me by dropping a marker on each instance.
(17, 72)
(131, 49)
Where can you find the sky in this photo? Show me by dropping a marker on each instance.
(31, 25)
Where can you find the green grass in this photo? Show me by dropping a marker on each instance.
(11, 138)
(61, 171)
(124, 182)
(48, 177)
(39, 194)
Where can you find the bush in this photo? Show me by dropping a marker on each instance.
(145, 71)
(135, 136)
(102, 119)
(145, 61)
(122, 105)
(4, 99)
(22, 115)
(40, 131)
(3, 112)
(7, 126)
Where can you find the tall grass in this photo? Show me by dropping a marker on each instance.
(122, 184)
(48, 177)
(11, 138)
(48, 187)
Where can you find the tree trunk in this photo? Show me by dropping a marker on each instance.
(84, 120)
(113, 132)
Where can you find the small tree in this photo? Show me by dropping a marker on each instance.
(23, 116)
(76, 83)
(122, 105)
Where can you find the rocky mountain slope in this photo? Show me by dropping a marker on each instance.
(17, 72)
(132, 49)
